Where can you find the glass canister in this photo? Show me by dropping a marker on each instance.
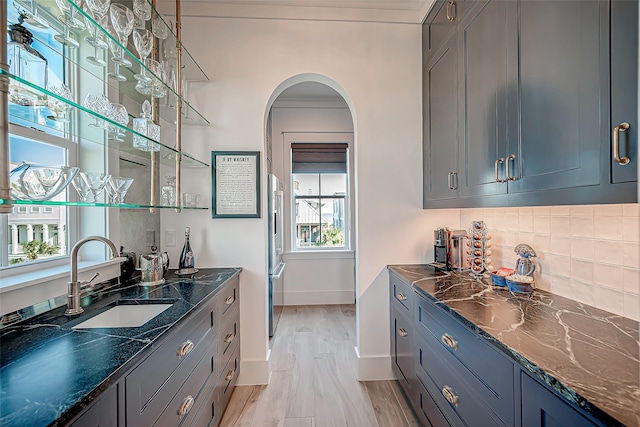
(145, 126)
(168, 192)
(26, 63)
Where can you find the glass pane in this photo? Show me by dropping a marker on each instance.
(332, 222)
(333, 184)
(36, 233)
(307, 184)
(307, 222)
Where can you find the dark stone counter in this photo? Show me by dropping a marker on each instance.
(590, 356)
(49, 372)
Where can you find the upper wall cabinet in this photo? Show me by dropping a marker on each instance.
(544, 93)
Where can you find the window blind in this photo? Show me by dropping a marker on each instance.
(319, 157)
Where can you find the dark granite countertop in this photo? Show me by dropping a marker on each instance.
(50, 372)
(590, 356)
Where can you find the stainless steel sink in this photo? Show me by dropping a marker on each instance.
(126, 314)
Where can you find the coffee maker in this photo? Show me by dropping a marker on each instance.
(449, 249)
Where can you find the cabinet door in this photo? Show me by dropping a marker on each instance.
(624, 86)
(562, 70)
(442, 23)
(486, 45)
(542, 408)
(103, 413)
(402, 349)
(440, 124)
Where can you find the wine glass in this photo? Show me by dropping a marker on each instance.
(81, 186)
(143, 41)
(91, 103)
(122, 21)
(158, 27)
(57, 107)
(70, 21)
(96, 182)
(142, 9)
(118, 113)
(117, 188)
(95, 38)
(116, 52)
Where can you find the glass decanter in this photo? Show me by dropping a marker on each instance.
(26, 63)
(168, 192)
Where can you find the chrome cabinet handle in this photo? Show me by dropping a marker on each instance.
(186, 406)
(402, 332)
(508, 161)
(185, 348)
(450, 180)
(230, 375)
(451, 6)
(448, 394)
(229, 300)
(228, 338)
(496, 166)
(622, 127)
(401, 296)
(449, 341)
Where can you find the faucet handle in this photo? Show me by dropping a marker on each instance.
(88, 282)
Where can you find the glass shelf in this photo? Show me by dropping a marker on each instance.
(49, 10)
(80, 120)
(104, 205)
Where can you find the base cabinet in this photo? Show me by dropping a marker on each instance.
(103, 413)
(452, 376)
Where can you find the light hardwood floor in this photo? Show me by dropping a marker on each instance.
(313, 383)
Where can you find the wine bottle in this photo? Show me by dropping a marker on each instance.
(186, 257)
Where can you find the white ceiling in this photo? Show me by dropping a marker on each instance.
(394, 11)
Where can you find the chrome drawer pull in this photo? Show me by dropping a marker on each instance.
(448, 394)
(495, 166)
(229, 300)
(508, 161)
(186, 406)
(402, 332)
(229, 375)
(228, 338)
(185, 348)
(449, 341)
(451, 16)
(401, 296)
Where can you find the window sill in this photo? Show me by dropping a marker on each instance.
(320, 254)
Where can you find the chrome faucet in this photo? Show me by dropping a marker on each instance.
(73, 293)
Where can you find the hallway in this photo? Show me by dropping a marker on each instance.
(313, 383)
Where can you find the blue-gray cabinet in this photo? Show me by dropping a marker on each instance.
(452, 376)
(545, 101)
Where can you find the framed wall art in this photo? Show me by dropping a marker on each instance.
(235, 186)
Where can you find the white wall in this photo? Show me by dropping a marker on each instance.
(376, 67)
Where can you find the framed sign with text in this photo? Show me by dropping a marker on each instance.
(235, 186)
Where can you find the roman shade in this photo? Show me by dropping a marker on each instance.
(319, 157)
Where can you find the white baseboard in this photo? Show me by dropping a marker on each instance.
(254, 372)
(318, 297)
(374, 368)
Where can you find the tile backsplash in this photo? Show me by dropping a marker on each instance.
(589, 253)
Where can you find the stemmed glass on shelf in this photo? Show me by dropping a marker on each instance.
(97, 10)
(143, 41)
(70, 21)
(122, 22)
(116, 54)
(118, 113)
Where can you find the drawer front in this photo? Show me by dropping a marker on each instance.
(228, 335)
(228, 378)
(150, 386)
(491, 373)
(207, 412)
(427, 410)
(457, 387)
(402, 348)
(401, 294)
(181, 408)
(227, 299)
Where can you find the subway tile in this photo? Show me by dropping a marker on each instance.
(541, 243)
(607, 210)
(525, 223)
(631, 255)
(608, 228)
(511, 222)
(526, 238)
(560, 225)
(582, 270)
(632, 306)
(559, 210)
(525, 211)
(511, 240)
(541, 211)
(610, 300)
(541, 224)
(582, 292)
(543, 264)
(630, 229)
(582, 226)
(631, 279)
(581, 210)
(560, 245)
(631, 209)
(561, 285)
(609, 276)
(608, 252)
(543, 281)
(582, 249)
(560, 266)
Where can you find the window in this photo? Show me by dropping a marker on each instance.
(35, 209)
(320, 195)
